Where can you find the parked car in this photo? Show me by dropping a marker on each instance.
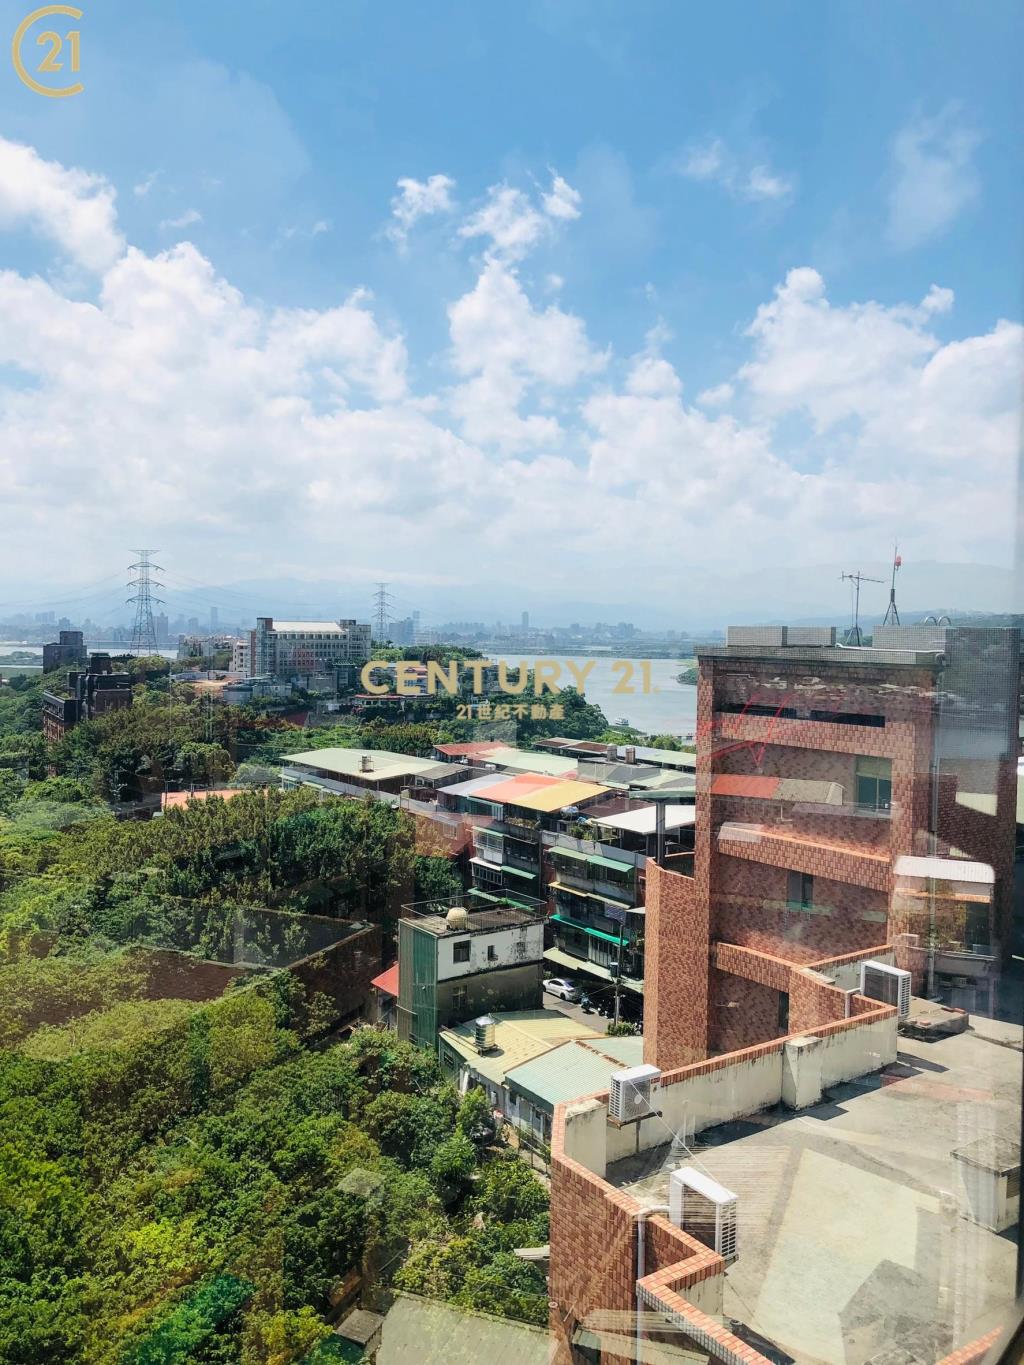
(562, 987)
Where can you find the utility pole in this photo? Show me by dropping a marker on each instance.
(381, 612)
(892, 616)
(854, 636)
(144, 629)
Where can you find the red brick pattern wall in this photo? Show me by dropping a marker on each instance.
(593, 1245)
(676, 968)
(743, 1013)
(751, 908)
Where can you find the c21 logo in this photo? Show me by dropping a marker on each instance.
(55, 57)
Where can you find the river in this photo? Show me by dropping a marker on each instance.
(668, 708)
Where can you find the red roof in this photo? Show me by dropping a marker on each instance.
(739, 784)
(170, 799)
(480, 746)
(387, 981)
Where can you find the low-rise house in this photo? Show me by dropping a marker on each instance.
(482, 1052)
(355, 771)
(455, 964)
(579, 1066)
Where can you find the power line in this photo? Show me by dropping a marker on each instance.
(144, 629)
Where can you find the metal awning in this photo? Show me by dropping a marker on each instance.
(595, 858)
(585, 928)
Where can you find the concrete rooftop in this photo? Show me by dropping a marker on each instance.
(849, 1235)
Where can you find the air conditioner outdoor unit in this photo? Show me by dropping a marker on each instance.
(704, 1209)
(879, 981)
(633, 1093)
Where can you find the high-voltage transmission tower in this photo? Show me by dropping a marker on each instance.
(144, 629)
(381, 612)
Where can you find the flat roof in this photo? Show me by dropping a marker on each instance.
(548, 799)
(846, 1234)
(507, 757)
(470, 787)
(480, 921)
(504, 788)
(519, 1036)
(323, 627)
(575, 1068)
(385, 765)
(482, 746)
(644, 820)
(435, 1333)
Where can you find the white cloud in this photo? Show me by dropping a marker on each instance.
(70, 207)
(933, 177)
(761, 183)
(418, 199)
(716, 397)
(506, 348)
(145, 185)
(704, 162)
(176, 404)
(883, 391)
(739, 175)
(562, 201)
(183, 220)
(514, 223)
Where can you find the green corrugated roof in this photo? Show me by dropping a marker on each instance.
(574, 1069)
(575, 924)
(517, 871)
(597, 858)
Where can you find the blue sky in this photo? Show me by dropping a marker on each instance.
(669, 166)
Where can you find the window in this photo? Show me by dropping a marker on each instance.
(492, 953)
(460, 952)
(874, 783)
(800, 893)
(460, 999)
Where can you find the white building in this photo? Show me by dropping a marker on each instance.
(306, 650)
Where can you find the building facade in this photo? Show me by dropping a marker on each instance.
(68, 651)
(457, 964)
(852, 805)
(90, 693)
(307, 650)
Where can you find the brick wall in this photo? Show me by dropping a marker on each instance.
(676, 967)
(343, 971)
(742, 1013)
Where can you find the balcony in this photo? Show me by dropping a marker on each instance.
(800, 851)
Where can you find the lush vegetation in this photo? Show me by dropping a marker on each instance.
(189, 1181)
(249, 1176)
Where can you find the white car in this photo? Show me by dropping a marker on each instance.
(562, 987)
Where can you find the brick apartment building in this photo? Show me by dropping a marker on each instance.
(90, 693)
(68, 649)
(851, 804)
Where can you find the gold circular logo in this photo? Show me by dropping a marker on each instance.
(54, 58)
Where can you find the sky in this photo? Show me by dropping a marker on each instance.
(660, 309)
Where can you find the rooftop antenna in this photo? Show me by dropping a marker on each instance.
(853, 635)
(892, 616)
